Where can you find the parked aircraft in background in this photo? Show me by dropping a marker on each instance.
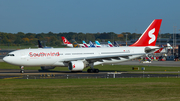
(159, 50)
(91, 44)
(162, 47)
(85, 44)
(110, 44)
(67, 43)
(40, 45)
(116, 44)
(169, 46)
(76, 59)
(97, 44)
(75, 44)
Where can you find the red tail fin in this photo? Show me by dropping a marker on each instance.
(149, 37)
(65, 41)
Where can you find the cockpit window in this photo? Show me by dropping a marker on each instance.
(10, 54)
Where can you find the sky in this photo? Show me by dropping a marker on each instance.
(87, 16)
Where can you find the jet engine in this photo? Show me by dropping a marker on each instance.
(47, 67)
(76, 65)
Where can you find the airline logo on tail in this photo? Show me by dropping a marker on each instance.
(39, 43)
(97, 44)
(65, 41)
(91, 44)
(149, 34)
(84, 43)
(110, 44)
(152, 36)
(159, 50)
(75, 44)
(116, 44)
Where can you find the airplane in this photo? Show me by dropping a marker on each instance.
(76, 59)
(40, 45)
(75, 44)
(116, 44)
(110, 44)
(66, 42)
(169, 46)
(163, 47)
(91, 44)
(85, 44)
(97, 44)
(159, 50)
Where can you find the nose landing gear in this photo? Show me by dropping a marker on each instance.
(22, 69)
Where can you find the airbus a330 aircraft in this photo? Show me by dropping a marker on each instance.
(76, 59)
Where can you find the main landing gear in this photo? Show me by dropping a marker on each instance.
(22, 69)
(92, 70)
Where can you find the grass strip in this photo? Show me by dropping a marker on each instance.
(120, 89)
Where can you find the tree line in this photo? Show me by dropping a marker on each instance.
(54, 39)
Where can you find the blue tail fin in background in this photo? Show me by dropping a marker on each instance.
(91, 44)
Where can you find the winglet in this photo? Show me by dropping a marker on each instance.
(149, 37)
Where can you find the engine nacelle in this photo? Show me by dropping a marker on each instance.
(76, 65)
(47, 67)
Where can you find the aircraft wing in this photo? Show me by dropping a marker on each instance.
(97, 58)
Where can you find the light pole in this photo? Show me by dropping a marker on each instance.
(160, 38)
(126, 39)
(174, 39)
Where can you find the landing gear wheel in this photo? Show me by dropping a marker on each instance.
(96, 70)
(22, 71)
(90, 70)
(93, 70)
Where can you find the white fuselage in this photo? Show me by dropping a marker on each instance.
(71, 45)
(60, 56)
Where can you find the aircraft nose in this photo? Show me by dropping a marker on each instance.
(5, 59)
